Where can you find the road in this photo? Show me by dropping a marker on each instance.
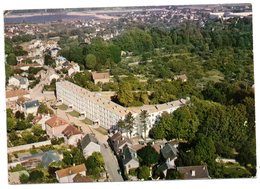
(36, 92)
(111, 163)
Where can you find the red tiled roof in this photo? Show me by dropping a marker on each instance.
(70, 131)
(82, 178)
(13, 93)
(56, 121)
(71, 170)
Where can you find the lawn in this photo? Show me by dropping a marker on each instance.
(87, 121)
(74, 113)
(63, 107)
(101, 130)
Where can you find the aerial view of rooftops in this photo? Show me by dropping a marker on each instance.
(130, 93)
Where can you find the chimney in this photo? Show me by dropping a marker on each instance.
(70, 172)
(193, 173)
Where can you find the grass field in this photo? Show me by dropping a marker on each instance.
(101, 130)
(74, 113)
(63, 107)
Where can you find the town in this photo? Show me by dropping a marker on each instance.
(130, 94)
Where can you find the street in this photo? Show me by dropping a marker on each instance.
(110, 160)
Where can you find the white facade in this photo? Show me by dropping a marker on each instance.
(90, 148)
(13, 81)
(105, 112)
(54, 76)
(73, 140)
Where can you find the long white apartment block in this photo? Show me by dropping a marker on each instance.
(105, 112)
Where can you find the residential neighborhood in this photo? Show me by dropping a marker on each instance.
(130, 94)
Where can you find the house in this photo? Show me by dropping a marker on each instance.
(169, 155)
(118, 141)
(100, 77)
(182, 78)
(49, 157)
(60, 60)
(82, 178)
(72, 135)
(31, 107)
(14, 177)
(40, 120)
(13, 95)
(18, 81)
(25, 67)
(54, 126)
(129, 159)
(89, 144)
(194, 172)
(54, 76)
(73, 68)
(67, 175)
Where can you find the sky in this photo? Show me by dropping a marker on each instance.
(36, 4)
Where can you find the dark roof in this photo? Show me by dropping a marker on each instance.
(82, 178)
(70, 131)
(128, 154)
(88, 138)
(194, 172)
(49, 157)
(31, 104)
(169, 151)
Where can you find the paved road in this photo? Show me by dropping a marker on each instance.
(111, 163)
(36, 92)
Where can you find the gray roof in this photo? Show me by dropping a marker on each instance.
(169, 151)
(49, 157)
(31, 104)
(129, 154)
(194, 172)
(21, 79)
(87, 139)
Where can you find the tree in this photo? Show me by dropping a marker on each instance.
(11, 59)
(48, 60)
(143, 172)
(148, 155)
(36, 176)
(95, 164)
(24, 179)
(19, 115)
(124, 94)
(90, 61)
(129, 123)
(173, 174)
(143, 122)
(43, 109)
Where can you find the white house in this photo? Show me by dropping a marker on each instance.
(31, 107)
(18, 81)
(89, 144)
(73, 68)
(67, 175)
(72, 135)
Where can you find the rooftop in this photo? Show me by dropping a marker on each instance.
(87, 139)
(56, 121)
(169, 151)
(103, 75)
(14, 93)
(70, 131)
(82, 178)
(31, 104)
(71, 170)
(194, 172)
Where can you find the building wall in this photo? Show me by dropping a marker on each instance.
(92, 147)
(32, 110)
(13, 81)
(102, 80)
(55, 131)
(93, 111)
(69, 178)
(131, 165)
(73, 140)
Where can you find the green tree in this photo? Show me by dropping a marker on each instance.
(148, 155)
(11, 59)
(125, 95)
(95, 165)
(173, 174)
(129, 123)
(24, 179)
(143, 122)
(36, 176)
(90, 61)
(143, 172)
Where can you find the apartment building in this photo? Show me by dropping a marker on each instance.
(105, 112)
